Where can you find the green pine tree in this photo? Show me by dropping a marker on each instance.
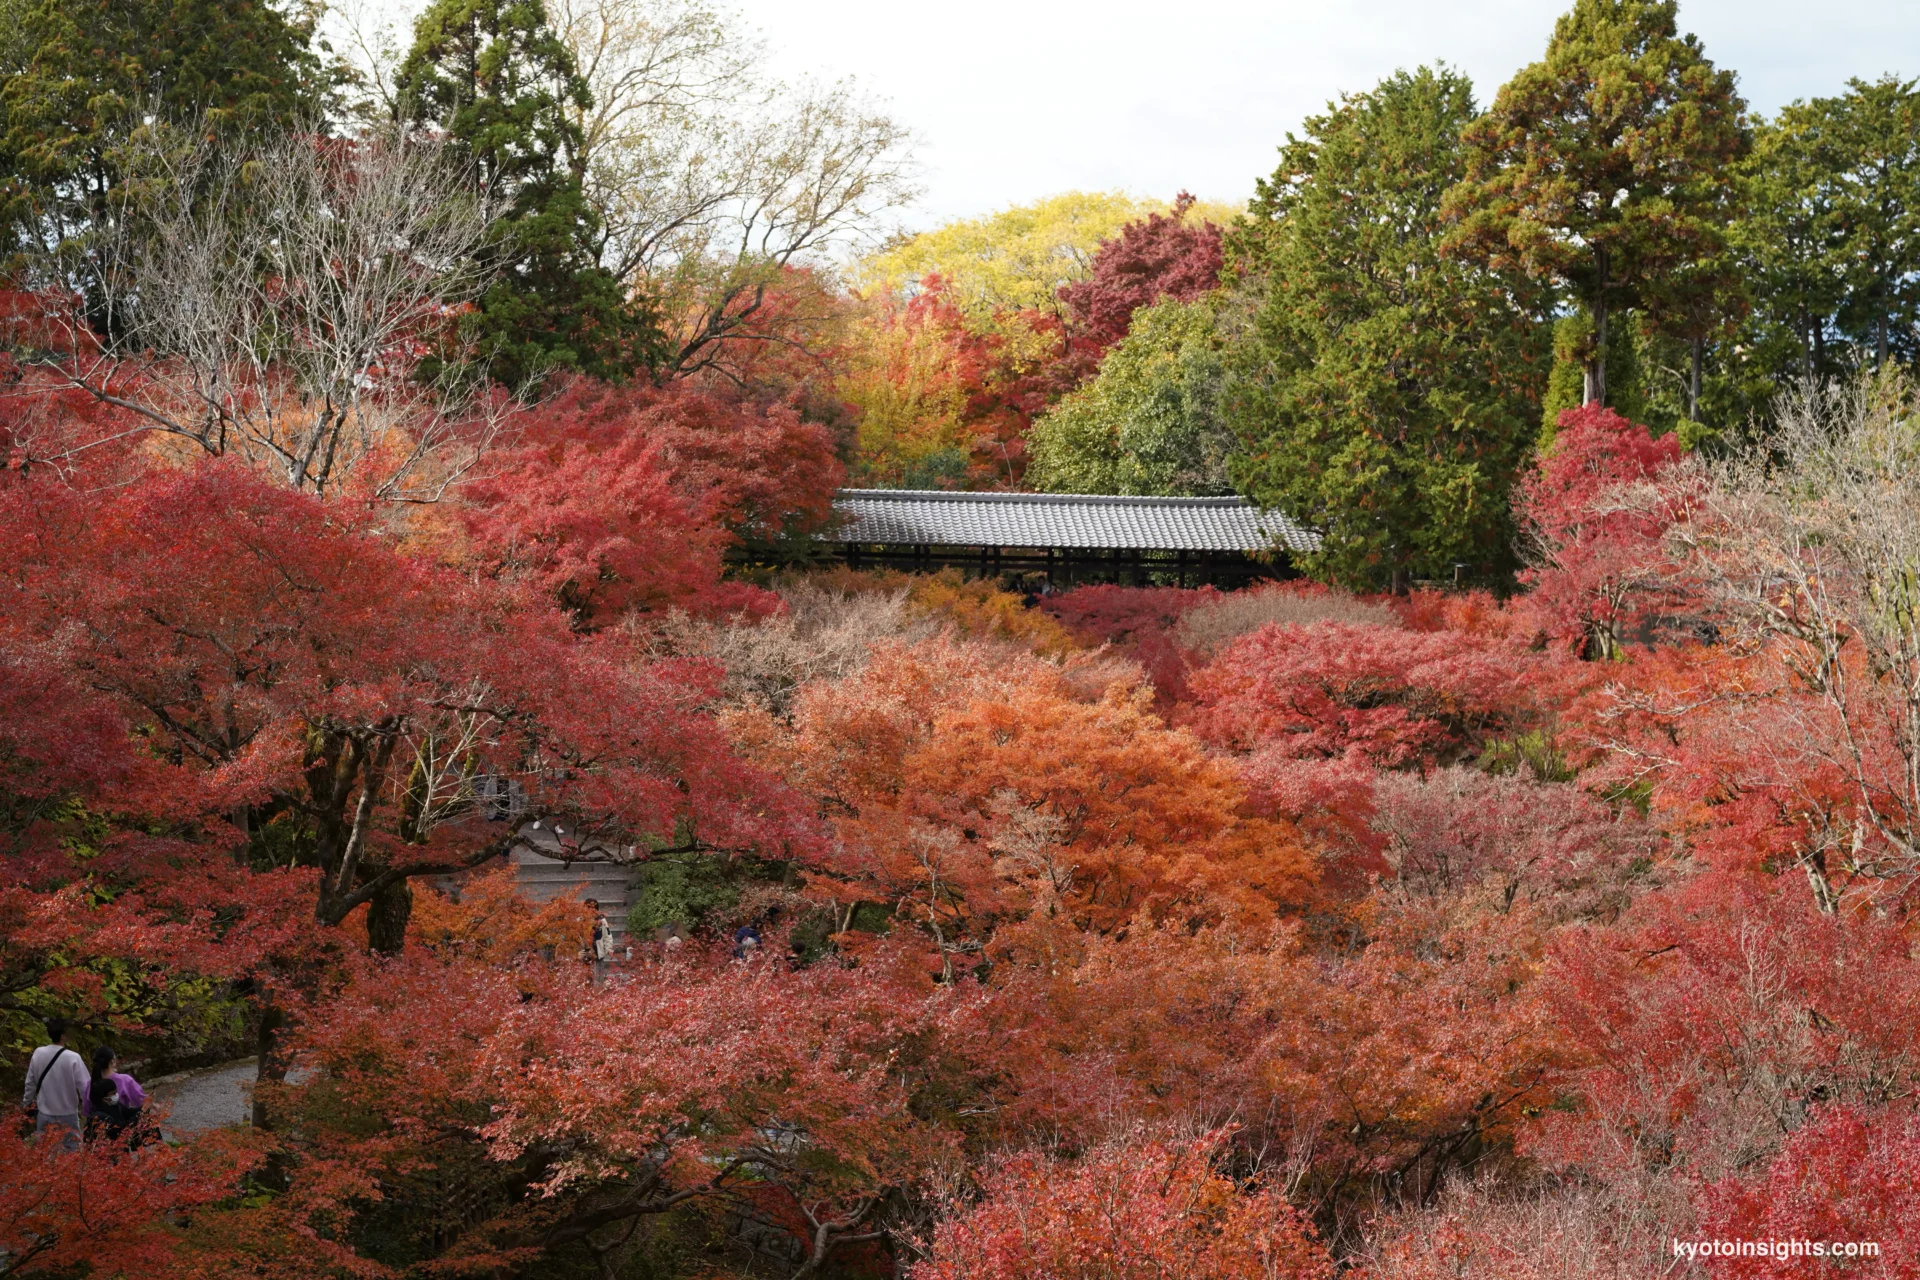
(1603, 168)
(1382, 393)
(499, 81)
(78, 76)
(1832, 232)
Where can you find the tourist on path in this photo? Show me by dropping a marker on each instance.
(114, 1100)
(600, 948)
(57, 1085)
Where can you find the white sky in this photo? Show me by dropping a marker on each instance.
(1016, 99)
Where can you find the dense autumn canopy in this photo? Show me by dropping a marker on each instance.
(410, 471)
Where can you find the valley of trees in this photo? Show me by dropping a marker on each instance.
(402, 452)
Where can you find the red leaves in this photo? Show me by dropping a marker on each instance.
(1325, 688)
(281, 657)
(1161, 256)
(1596, 511)
(785, 1075)
(1140, 620)
(625, 499)
(1850, 1177)
(1712, 1016)
(1138, 1207)
(556, 1106)
(102, 1209)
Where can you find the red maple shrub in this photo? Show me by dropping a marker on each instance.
(1849, 1177)
(1140, 1205)
(1596, 509)
(1160, 256)
(1139, 621)
(1322, 689)
(621, 499)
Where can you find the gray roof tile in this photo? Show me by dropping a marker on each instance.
(917, 517)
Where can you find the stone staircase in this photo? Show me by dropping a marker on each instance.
(544, 872)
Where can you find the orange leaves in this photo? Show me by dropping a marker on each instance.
(978, 609)
(492, 923)
(986, 793)
(1139, 1207)
(1142, 820)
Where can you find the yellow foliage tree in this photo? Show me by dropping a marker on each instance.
(1009, 261)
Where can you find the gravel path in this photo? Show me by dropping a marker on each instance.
(207, 1098)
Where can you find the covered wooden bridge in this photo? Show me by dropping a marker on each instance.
(1068, 538)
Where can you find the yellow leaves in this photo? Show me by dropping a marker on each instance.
(899, 379)
(1012, 260)
(980, 610)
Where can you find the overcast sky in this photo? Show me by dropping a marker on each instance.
(1016, 99)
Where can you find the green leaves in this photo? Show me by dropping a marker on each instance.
(1150, 422)
(496, 77)
(78, 77)
(1383, 393)
(1833, 227)
(1602, 167)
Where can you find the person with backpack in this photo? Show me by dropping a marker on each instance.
(114, 1099)
(57, 1086)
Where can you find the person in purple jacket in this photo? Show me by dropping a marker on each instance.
(114, 1099)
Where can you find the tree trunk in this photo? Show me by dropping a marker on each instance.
(1597, 388)
(1693, 382)
(387, 914)
(267, 1045)
(1602, 645)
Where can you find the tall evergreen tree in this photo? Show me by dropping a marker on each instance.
(1833, 232)
(1383, 393)
(495, 76)
(77, 75)
(1603, 167)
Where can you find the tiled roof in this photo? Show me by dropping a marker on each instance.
(918, 517)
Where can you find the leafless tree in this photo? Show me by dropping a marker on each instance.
(709, 176)
(275, 301)
(1209, 627)
(822, 635)
(1811, 538)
